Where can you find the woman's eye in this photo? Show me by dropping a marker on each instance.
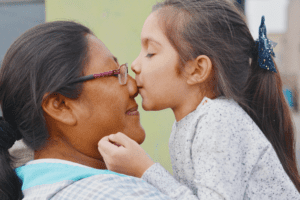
(149, 55)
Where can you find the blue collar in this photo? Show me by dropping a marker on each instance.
(49, 173)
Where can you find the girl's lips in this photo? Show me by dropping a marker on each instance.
(140, 90)
(133, 112)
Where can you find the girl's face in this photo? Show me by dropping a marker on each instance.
(157, 76)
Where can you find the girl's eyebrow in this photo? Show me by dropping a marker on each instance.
(145, 41)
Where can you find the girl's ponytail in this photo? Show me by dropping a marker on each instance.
(269, 110)
(10, 184)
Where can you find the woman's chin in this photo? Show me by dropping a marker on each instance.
(142, 136)
(137, 134)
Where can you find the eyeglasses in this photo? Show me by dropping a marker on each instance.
(121, 73)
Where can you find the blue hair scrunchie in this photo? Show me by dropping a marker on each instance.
(265, 48)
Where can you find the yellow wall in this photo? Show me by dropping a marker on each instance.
(118, 23)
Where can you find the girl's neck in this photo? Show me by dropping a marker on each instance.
(189, 105)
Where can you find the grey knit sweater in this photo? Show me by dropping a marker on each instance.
(218, 152)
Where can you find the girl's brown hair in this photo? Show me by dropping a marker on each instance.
(218, 29)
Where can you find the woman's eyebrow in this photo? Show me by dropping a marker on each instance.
(145, 41)
(115, 59)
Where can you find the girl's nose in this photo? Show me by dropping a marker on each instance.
(134, 66)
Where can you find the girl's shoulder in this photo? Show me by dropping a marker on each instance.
(215, 112)
(219, 102)
(226, 118)
(223, 108)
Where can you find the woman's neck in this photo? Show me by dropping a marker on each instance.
(65, 152)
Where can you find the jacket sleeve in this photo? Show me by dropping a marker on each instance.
(167, 184)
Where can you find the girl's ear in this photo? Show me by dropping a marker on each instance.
(59, 108)
(199, 70)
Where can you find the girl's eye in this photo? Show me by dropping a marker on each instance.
(149, 55)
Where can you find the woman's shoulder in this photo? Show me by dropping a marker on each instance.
(54, 177)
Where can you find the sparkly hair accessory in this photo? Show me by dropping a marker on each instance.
(265, 48)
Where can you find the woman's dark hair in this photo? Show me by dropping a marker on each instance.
(43, 60)
(218, 29)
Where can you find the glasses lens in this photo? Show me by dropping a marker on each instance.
(123, 74)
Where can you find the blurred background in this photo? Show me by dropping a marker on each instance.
(118, 24)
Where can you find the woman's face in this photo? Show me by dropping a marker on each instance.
(156, 69)
(105, 103)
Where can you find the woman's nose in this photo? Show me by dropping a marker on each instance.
(132, 87)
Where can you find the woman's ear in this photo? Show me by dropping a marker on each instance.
(199, 70)
(59, 108)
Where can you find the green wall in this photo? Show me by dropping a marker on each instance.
(118, 23)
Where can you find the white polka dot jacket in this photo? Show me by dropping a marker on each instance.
(218, 152)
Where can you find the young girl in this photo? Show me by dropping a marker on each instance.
(233, 136)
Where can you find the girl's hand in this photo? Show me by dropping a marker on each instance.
(123, 155)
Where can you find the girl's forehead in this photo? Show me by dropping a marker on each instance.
(152, 31)
(150, 24)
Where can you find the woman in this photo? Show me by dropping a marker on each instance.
(61, 92)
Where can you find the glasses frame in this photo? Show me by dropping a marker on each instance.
(115, 73)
